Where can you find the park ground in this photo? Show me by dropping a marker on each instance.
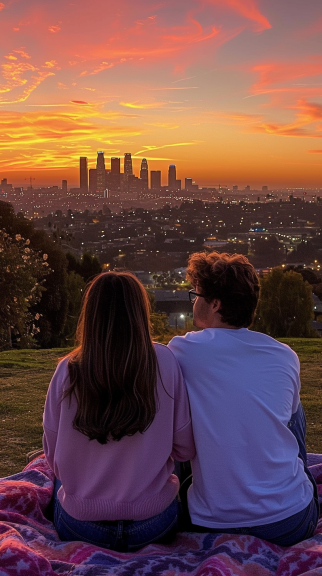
(24, 379)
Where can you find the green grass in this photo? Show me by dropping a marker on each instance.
(24, 379)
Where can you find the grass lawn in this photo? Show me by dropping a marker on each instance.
(24, 379)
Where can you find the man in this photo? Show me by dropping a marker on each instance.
(249, 473)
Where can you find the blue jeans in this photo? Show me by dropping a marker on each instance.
(120, 535)
(291, 530)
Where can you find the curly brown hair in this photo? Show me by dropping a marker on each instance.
(230, 278)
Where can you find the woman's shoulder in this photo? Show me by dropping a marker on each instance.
(61, 374)
(164, 353)
(62, 366)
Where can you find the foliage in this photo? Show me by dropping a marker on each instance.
(160, 326)
(168, 280)
(286, 307)
(75, 289)
(52, 308)
(307, 273)
(54, 304)
(22, 273)
(266, 251)
(88, 266)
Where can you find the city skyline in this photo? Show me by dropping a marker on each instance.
(230, 91)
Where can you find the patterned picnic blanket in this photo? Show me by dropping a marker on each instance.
(29, 545)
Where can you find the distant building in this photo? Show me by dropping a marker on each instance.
(5, 187)
(128, 170)
(172, 177)
(92, 180)
(64, 186)
(100, 173)
(83, 174)
(188, 184)
(115, 174)
(155, 176)
(176, 305)
(144, 175)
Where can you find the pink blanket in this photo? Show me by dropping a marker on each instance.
(29, 545)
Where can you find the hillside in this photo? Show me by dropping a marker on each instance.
(24, 379)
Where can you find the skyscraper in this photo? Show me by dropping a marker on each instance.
(144, 175)
(155, 179)
(83, 174)
(92, 180)
(115, 165)
(64, 186)
(100, 173)
(115, 174)
(127, 165)
(172, 177)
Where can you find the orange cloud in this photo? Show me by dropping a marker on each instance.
(315, 151)
(22, 75)
(286, 130)
(152, 148)
(273, 73)
(166, 125)
(307, 113)
(23, 54)
(103, 66)
(151, 106)
(54, 29)
(51, 64)
(1, 6)
(45, 139)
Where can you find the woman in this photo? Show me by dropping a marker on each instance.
(116, 416)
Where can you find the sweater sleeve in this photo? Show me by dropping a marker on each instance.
(183, 442)
(52, 409)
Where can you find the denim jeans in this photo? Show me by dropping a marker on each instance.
(120, 535)
(286, 532)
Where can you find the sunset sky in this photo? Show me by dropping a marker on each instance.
(228, 90)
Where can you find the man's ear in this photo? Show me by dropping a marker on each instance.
(216, 305)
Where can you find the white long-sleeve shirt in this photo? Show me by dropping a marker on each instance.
(243, 387)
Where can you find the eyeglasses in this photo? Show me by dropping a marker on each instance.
(193, 296)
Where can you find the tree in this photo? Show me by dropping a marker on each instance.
(54, 303)
(22, 274)
(75, 288)
(88, 266)
(286, 306)
(52, 308)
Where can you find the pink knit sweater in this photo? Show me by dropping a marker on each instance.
(127, 480)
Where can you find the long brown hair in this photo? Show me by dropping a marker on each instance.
(113, 372)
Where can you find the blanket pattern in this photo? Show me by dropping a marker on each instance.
(30, 546)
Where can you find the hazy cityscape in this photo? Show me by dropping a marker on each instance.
(133, 221)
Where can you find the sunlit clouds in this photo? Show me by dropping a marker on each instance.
(228, 90)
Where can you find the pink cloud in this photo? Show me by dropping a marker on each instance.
(248, 9)
(54, 29)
